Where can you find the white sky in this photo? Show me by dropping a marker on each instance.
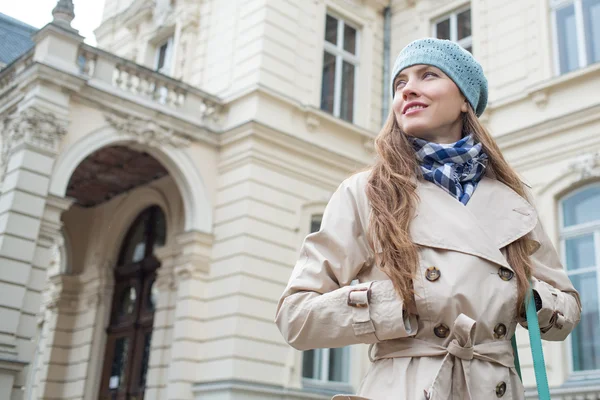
(37, 13)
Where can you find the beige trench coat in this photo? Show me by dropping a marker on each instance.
(456, 344)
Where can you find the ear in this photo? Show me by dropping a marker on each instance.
(465, 106)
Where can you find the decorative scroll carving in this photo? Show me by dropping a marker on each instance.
(37, 128)
(587, 166)
(146, 132)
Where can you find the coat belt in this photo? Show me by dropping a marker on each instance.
(452, 380)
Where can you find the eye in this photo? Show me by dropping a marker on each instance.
(429, 73)
(400, 83)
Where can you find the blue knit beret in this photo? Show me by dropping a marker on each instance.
(451, 58)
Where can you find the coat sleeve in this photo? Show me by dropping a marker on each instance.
(318, 309)
(561, 306)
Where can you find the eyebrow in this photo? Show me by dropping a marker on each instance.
(420, 69)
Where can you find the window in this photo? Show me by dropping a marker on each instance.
(325, 365)
(329, 365)
(163, 60)
(577, 33)
(580, 241)
(455, 27)
(340, 64)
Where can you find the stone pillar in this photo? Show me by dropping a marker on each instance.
(162, 331)
(60, 290)
(190, 270)
(30, 142)
(71, 342)
(59, 322)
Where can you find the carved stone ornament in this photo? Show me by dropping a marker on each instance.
(587, 166)
(146, 132)
(312, 123)
(540, 98)
(37, 128)
(62, 294)
(165, 280)
(64, 13)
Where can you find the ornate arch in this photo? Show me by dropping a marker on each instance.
(197, 208)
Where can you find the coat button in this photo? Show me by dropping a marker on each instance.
(500, 389)
(432, 274)
(505, 274)
(500, 331)
(441, 331)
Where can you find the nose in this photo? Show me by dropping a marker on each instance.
(410, 90)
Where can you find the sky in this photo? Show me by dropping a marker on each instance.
(37, 13)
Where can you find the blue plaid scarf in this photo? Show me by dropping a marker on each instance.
(455, 167)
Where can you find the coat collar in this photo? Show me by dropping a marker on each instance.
(494, 217)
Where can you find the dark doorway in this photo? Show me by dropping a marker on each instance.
(130, 330)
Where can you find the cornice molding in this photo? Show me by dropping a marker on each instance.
(146, 131)
(548, 127)
(323, 156)
(110, 104)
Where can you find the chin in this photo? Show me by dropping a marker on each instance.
(417, 131)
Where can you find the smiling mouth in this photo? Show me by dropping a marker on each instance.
(413, 109)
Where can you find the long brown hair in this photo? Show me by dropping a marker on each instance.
(391, 190)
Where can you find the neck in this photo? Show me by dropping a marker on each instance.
(444, 135)
(445, 139)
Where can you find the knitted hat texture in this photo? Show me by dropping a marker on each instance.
(454, 61)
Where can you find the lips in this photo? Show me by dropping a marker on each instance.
(413, 105)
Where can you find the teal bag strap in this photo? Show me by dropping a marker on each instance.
(513, 341)
(535, 341)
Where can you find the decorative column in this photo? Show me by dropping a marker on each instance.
(189, 266)
(30, 140)
(162, 331)
(59, 314)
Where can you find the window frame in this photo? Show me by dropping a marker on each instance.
(322, 383)
(141, 275)
(341, 55)
(566, 233)
(582, 56)
(453, 16)
(167, 67)
(323, 358)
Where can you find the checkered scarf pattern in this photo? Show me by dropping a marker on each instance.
(455, 167)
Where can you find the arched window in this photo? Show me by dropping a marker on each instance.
(130, 330)
(580, 241)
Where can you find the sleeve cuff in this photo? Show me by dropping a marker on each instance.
(378, 314)
(548, 313)
(390, 318)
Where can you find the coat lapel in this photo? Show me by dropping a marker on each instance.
(494, 217)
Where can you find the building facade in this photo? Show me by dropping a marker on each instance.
(156, 188)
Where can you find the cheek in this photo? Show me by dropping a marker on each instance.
(397, 105)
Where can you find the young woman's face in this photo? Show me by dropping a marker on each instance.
(428, 104)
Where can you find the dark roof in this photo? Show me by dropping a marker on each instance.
(15, 38)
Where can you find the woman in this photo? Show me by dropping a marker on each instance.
(443, 240)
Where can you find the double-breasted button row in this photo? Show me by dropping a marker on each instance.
(432, 274)
(441, 330)
(505, 274)
(500, 389)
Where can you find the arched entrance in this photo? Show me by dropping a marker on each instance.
(132, 312)
(106, 297)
